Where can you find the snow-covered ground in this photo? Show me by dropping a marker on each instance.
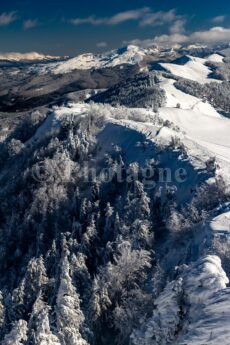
(205, 131)
(176, 97)
(192, 310)
(220, 225)
(194, 68)
(215, 58)
(203, 283)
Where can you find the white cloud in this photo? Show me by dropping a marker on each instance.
(162, 40)
(170, 40)
(7, 18)
(216, 34)
(102, 44)
(128, 15)
(159, 18)
(176, 24)
(219, 19)
(144, 16)
(213, 35)
(178, 27)
(88, 20)
(114, 20)
(30, 23)
(149, 42)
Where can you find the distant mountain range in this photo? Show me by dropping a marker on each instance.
(31, 56)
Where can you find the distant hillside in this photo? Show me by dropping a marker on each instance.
(142, 91)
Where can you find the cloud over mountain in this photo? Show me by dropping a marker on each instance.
(30, 56)
(214, 35)
(177, 35)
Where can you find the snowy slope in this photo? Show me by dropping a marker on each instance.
(193, 69)
(205, 132)
(199, 293)
(84, 61)
(215, 58)
(220, 225)
(212, 328)
(176, 97)
(204, 136)
(206, 293)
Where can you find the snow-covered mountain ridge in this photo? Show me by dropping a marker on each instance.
(114, 210)
(131, 55)
(128, 55)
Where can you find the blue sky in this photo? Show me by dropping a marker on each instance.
(69, 27)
